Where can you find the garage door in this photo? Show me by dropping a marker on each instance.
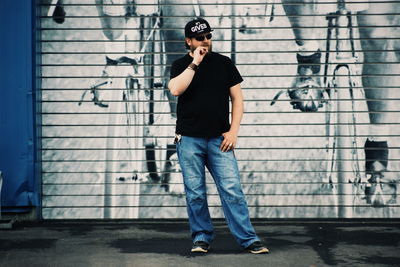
(319, 137)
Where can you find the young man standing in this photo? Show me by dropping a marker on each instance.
(204, 81)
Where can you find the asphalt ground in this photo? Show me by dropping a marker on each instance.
(167, 243)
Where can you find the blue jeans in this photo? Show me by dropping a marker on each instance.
(194, 155)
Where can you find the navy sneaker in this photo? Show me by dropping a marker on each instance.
(59, 13)
(257, 248)
(200, 246)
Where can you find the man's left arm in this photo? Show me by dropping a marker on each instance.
(230, 137)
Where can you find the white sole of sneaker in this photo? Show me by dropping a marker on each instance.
(261, 251)
(199, 249)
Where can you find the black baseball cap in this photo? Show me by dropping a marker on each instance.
(197, 26)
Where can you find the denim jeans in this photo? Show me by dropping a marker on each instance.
(194, 155)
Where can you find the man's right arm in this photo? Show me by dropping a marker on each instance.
(180, 83)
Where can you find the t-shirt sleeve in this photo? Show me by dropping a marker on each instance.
(175, 70)
(234, 75)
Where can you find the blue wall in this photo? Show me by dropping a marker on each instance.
(17, 132)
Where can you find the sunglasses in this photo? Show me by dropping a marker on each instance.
(202, 37)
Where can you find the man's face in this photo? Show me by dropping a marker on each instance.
(200, 40)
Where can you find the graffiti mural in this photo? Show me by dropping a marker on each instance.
(319, 137)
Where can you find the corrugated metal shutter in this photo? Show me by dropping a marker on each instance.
(108, 122)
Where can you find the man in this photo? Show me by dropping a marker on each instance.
(204, 81)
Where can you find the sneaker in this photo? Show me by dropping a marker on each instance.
(306, 92)
(200, 246)
(257, 248)
(59, 13)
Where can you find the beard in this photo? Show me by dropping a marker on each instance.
(192, 47)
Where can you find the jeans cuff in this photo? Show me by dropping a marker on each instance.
(248, 243)
(203, 237)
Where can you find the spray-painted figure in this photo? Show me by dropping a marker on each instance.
(176, 15)
(380, 42)
(131, 28)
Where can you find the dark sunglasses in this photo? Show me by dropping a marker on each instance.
(201, 37)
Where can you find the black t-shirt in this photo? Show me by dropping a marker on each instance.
(203, 109)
